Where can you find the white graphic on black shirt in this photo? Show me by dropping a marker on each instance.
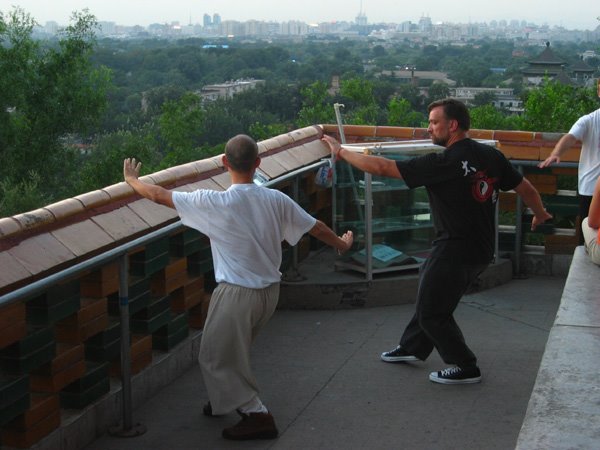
(466, 168)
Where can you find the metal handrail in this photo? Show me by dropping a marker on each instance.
(38, 286)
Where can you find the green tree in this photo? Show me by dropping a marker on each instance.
(555, 106)
(438, 91)
(359, 98)
(47, 94)
(411, 93)
(484, 98)
(220, 124)
(317, 105)
(401, 114)
(23, 195)
(260, 131)
(101, 167)
(378, 51)
(487, 117)
(181, 123)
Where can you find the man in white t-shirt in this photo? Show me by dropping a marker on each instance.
(586, 130)
(246, 225)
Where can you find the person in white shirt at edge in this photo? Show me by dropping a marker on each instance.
(246, 225)
(587, 130)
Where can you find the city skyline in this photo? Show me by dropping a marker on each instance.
(581, 14)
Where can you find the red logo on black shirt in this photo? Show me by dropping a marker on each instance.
(483, 186)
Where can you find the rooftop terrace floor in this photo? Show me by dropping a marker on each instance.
(322, 379)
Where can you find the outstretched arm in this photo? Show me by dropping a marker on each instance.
(531, 197)
(375, 165)
(326, 234)
(565, 143)
(158, 194)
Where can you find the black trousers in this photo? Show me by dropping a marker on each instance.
(443, 280)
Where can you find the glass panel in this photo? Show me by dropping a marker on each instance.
(401, 225)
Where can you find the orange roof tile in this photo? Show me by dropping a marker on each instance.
(9, 226)
(83, 237)
(40, 253)
(151, 213)
(121, 223)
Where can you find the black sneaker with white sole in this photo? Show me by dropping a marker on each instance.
(457, 375)
(398, 355)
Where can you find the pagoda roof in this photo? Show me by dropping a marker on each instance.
(547, 57)
(581, 66)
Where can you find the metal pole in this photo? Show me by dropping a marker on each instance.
(369, 225)
(293, 274)
(125, 340)
(338, 118)
(127, 429)
(496, 224)
(518, 230)
(295, 193)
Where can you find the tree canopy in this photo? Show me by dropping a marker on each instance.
(47, 93)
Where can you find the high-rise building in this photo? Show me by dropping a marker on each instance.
(107, 28)
(216, 19)
(425, 24)
(404, 27)
(361, 19)
(206, 22)
(51, 27)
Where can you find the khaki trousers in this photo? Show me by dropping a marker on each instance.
(235, 316)
(590, 236)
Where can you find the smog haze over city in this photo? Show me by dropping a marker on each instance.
(577, 14)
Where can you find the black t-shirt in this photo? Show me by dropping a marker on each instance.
(463, 183)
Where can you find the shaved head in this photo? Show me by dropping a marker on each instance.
(241, 152)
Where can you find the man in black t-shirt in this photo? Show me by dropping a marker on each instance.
(463, 184)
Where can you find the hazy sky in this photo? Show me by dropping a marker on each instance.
(576, 14)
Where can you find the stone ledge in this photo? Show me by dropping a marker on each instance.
(563, 409)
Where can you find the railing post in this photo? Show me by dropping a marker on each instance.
(369, 225)
(127, 429)
(295, 195)
(497, 233)
(293, 274)
(518, 229)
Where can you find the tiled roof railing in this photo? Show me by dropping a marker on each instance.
(70, 229)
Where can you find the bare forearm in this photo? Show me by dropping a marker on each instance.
(565, 143)
(157, 194)
(327, 235)
(375, 165)
(531, 197)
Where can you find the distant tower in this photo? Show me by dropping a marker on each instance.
(425, 24)
(207, 22)
(216, 19)
(361, 19)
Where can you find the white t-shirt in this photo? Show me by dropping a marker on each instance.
(587, 130)
(246, 225)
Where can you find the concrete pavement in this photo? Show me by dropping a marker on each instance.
(321, 377)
